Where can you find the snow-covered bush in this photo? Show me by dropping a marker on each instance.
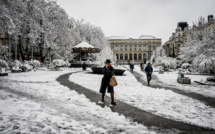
(199, 51)
(27, 67)
(60, 63)
(67, 64)
(204, 64)
(166, 62)
(17, 63)
(4, 52)
(185, 65)
(34, 63)
(3, 64)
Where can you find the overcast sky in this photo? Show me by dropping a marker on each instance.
(134, 18)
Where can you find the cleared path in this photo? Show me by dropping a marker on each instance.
(151, 121)
(207, 100)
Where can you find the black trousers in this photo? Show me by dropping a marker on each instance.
(105, 85)
(149, 77)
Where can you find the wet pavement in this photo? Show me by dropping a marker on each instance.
(153, 122)
(206, 100)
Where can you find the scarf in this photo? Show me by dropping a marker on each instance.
(108, 69)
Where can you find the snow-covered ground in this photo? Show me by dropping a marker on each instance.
(169, 79)
(34, 102)
(160, 102)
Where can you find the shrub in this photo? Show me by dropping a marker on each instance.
(3, 64)
(166, 62)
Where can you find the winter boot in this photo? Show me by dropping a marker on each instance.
(112, 99)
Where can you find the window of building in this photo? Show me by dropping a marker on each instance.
(117, 56)
(144, 55)
(135, 47)
(153, 47)
(121, 56)
(116, 47)
(130, 56)
(126, 56)
(126, 47)
(144, 47)
(135, 56)
(121, 47)
(140, 57)
(139, 47)
(130, 47)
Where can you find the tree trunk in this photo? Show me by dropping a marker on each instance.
(21, 49)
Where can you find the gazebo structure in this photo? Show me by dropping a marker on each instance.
(84, 53)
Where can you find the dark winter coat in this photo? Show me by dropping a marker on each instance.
(84, 66)
(149, 69)
(132, 66)
(108, 73)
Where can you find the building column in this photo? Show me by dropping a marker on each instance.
(133, 56)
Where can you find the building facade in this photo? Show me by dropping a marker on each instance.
(199, 31)
(177, 39)
(133, 50)
(183, 33)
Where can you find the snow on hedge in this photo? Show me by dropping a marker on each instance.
(185, 65)
(204, 64)
(34, 63)
(60, 63)
(17, 63)
(167, 62)
(3, 63)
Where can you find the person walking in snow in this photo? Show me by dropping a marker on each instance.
(141, 66)
(132, 67)
(149, 71)
(84, 67)
(108, 72)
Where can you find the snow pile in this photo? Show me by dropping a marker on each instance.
(36, 103)
(164, 103)
(166, 62)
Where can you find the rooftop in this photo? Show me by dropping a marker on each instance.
(84, 44)
(124, 37)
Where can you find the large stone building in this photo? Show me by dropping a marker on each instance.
(133, 50)
(184, 33)
(178, 38)
(203, 28)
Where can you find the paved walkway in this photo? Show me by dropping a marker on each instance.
(153, 122)
(207, 100)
